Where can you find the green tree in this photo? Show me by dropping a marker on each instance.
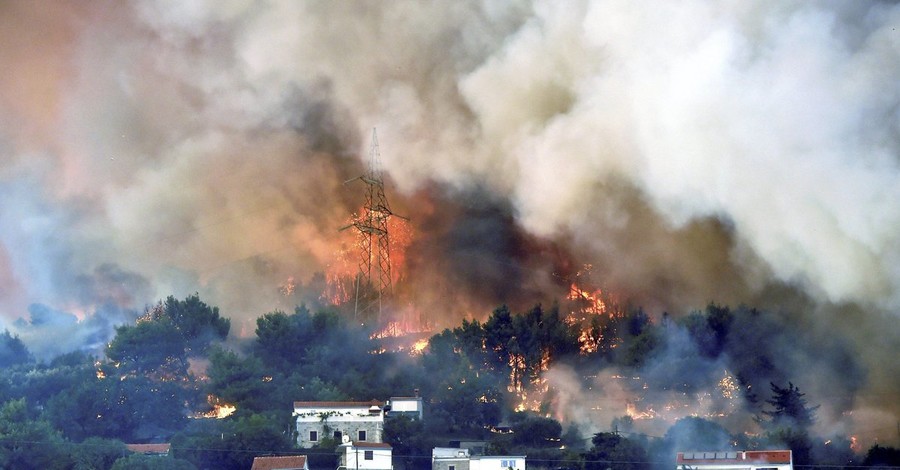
(537, 432)
(13, 351)
(96, 453)
(166, 336)
(232, 443)
(151, 462)
(614, 451)
(239, 381)
(408, 438)
(198, 323)
(150, 346)
(27, 443)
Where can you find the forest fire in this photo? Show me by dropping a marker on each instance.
(591, 302)
(219, 409)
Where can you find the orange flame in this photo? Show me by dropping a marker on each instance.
(219, 410)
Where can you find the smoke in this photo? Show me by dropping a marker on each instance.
(735, 152)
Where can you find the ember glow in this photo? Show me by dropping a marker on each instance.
(219, 409)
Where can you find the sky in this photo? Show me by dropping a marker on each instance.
(687, 151)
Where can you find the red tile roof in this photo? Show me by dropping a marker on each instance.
(149, 448)
(371, 445)
(285, 462)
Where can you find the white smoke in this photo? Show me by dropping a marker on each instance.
(698, 151)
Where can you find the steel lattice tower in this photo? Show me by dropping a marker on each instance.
(374, 280)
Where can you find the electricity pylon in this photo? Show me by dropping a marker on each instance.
(374, 283)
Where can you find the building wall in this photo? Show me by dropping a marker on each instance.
(347, 420)
(497, 463)
(348, 429)
(355, 458)
(411, 407)
(445, 464)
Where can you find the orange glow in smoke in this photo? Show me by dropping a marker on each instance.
(855, 446)
(419, 346)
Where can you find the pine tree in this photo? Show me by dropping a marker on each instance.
(789, 409)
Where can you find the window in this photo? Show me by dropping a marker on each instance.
(451, 467)
(314, 436)
(337, 436)
(508, 463)
(369, 455)
(362, 434)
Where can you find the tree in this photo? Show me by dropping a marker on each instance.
(611, 450)
(882, 457)
(27, 443)
(408, 438)
(237, 380)
(198, 323)
(96, 453)
(151, 346)
(232, 443)
(789, 409)
(166, 335)
(13, 351)
(536, 432)
(151, 462)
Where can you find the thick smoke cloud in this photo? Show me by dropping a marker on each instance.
(690, 151)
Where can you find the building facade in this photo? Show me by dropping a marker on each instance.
(451, 458)
(365, 456)
(740, 460)
(353, 421)
(497, 462)
(405, 406)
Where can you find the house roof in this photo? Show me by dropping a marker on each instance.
(370, 445)
(284, 462)
(149, 448)
(337, 404)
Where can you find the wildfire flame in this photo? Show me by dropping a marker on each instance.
(219, 410)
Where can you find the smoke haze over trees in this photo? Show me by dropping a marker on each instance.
(475, 378)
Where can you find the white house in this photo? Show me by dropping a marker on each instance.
(497, 462)
(405, 406)
(447, 458)
(742, 460)
(365, 456)
(356, 421)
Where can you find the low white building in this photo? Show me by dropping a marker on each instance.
(735, 460)
(405, 406)
(356, 421)
(448, 458)
(497, 462)
(365, 456)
